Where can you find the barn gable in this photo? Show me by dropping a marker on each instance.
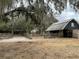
(72, 25)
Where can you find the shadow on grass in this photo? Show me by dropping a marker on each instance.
(9, 35)
(5, 36)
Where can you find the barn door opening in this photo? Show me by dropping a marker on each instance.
(68, 33)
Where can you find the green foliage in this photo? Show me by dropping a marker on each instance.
(35, 16)
(3, 25)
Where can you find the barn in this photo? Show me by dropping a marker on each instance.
(66, 29)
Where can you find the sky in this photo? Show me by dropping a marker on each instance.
(67, 13)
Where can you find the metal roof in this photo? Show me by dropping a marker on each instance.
(58, 25)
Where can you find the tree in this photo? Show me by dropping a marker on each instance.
(40, 13)
(61, 4)
(4, 4)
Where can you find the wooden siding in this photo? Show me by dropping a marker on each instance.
(76, 33)
(55, 34)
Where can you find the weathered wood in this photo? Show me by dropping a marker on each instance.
(64, 29)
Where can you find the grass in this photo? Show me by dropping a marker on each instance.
(56, 48)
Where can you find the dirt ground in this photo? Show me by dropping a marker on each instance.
(40, 48)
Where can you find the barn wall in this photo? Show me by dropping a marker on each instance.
(76, 33)
(60, 34)
(56, 34)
